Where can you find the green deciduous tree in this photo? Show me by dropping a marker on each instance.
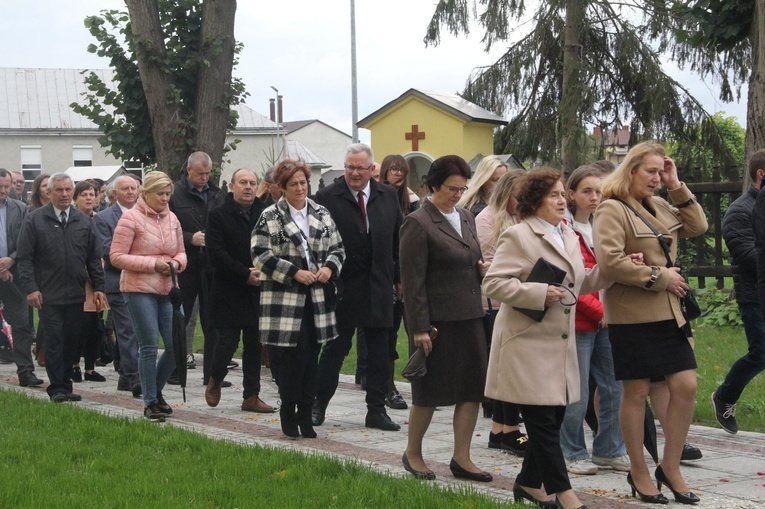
(581, 62)
(172, 63)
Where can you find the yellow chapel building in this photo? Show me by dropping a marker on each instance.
(422, 126)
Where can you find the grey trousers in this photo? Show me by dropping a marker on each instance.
(16, 313)
(126, 340)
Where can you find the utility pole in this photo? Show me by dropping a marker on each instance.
(354, 87)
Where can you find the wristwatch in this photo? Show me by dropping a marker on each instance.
(654, 277)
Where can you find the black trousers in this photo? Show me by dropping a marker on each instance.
(193, 285)
(17, 313)
(90, 338)
(378, 364)
(299, 365)
(228, 341)
(63, 324)
(506, 413)
(543, 462)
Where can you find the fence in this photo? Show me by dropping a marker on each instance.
(705, 256)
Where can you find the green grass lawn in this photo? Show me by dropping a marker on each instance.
(67, 457)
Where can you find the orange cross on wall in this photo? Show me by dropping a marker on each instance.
(415, 136)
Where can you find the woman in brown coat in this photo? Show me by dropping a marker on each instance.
(441, 272)
(642, 308)
(534, 363)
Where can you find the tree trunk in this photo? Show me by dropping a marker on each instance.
(213, 102)
(755, 108)
(167, 124)
(571, 90)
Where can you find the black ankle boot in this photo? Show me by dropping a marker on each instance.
(288, 418)
(304, 421)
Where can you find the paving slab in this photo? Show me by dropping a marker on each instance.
(730, 475)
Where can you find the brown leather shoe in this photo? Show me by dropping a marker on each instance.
(212, 392)
(255, 404)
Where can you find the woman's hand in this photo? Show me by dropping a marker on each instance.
(669, 176)
(677, 284)
(636, 258)
(163, 267)
(323, 274)
(483, 267)
(305, 277)
(554, 294)
(422, 339)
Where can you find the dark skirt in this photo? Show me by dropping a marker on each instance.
(649, 350)
(456, 365)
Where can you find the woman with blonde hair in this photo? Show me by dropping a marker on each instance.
(147, 244)
(490, 224)
(646, 324)
(486, 176)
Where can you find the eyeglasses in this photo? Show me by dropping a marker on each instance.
(396, 170)
(350, 168)
(456, 190)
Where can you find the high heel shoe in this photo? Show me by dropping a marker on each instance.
(648, 499)
(559, 505)
(461, 473)
(304, 421)
(288, 419)
(427, 475)
(684, 497)
(521, 494)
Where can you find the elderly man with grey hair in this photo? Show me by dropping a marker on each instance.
(368, 217)
(57, 252)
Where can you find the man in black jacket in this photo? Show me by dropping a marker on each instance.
(235, 294)
(57, 252)
(368, 217)
(739, 234)
(192, 199)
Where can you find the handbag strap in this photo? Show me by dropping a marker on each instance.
(174, 275)
(659, 236)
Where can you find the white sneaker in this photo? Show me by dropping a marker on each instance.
(620, 463)
(582, 467)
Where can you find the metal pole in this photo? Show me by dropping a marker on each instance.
(278, 127)
(354, 88)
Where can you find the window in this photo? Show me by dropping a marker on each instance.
(31, 157)
(82, 155)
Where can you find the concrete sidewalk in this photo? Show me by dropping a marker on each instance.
(730, 475)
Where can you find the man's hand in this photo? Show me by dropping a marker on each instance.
(6, 276)
(99, 299)
(198, 239)
(35, 299)
(254, 278)
(6, 263)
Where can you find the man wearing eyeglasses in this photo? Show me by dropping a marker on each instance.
(368, 218)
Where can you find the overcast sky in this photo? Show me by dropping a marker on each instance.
(301, 47)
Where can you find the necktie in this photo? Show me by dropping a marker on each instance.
(362, 207)
(63, 218)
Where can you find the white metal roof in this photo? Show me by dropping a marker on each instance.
(105, 173)
(40, 99)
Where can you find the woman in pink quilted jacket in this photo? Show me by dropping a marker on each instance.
(147, 240)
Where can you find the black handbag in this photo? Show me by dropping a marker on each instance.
(688, 303)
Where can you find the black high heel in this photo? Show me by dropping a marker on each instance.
(304, 421)
(648, 499)
(521, 494)
(461, 473)
(559, 505)
(684, 497)
(426, 475)
(288, 419)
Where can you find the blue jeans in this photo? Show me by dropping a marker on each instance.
(753, 362)
(152, 316)
(593, 351)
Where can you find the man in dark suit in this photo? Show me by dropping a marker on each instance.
(192, 199)
(15, 309)
(126, 194)
(368, 218)
(235, 294)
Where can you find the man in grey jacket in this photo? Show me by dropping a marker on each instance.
(57, 252)
(15, 310)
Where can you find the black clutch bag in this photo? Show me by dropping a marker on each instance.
(542, 272)
(416, 367)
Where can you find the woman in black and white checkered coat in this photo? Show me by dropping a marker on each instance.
(297, 248)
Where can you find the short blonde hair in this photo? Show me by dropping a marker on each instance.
(617, 184)
(155, 181)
